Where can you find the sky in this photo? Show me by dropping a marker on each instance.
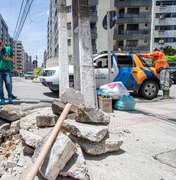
(34, 32)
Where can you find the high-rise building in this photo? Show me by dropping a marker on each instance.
(4, 30)
(164, 27)
(141, 25)
(18, 50)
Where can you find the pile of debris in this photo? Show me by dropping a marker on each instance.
(21, 140)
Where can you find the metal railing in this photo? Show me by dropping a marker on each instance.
(132, 3)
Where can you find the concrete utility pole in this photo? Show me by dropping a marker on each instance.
(76, 45)
(63, 51)
(85, 55)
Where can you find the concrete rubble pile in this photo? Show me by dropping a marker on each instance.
(22, 135)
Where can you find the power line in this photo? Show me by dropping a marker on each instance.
(18, 18)
(23, 18)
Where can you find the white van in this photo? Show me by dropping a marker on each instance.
(50, 76)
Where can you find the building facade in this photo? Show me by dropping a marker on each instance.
(141, 25)
(4, 30)
(18, 50)
(164, 26)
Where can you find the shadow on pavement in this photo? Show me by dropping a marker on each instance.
(103, 156)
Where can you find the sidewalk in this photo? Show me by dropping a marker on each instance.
(148, 131)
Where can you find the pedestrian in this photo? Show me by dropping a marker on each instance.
(162, 67)
(6, 62)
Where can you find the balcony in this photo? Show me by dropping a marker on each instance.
(129, 48)
(132, 3)
(142, 17)
(93, 2)
(132, 34)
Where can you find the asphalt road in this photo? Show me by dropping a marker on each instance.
(33, 94)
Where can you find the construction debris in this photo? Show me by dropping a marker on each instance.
(86, 131)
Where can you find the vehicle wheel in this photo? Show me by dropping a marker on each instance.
(149, 89)
(54, 89)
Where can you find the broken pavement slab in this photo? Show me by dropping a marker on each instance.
(168, 158)
(110, 143)
(60, 153)
(90, 132)
(58, 106)
(92, 115)
(76, 166)
(11, 113)
(48, 120)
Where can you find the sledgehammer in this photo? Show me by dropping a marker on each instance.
(33, 171)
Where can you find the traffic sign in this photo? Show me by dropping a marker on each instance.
(112, 20)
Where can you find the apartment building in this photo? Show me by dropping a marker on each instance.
(164, 26)
(52, 39)
(133, 29)
(141, 25)
(4, 30)
(18, 66)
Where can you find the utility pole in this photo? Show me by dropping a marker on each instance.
(75, 45)
(86, 56)
(109, 46)
(63, 51)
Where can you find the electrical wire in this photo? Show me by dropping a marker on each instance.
(18, 18)
(23, 18)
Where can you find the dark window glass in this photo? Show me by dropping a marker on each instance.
(68, 9)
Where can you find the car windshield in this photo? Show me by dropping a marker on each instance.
(47, 72)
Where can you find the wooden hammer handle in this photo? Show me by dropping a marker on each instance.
(33, 171)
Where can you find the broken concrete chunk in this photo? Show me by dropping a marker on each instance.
(74, 97)
(58, 106)
(11, 113)
(76, 166)
(92, 115)
(60, 153)
(90, 132)
(109, 144)
(46, 120)
(15, 127)
(30, 138)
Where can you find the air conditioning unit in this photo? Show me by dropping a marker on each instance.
(161, 41)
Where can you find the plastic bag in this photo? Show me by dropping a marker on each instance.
(115, 90)
(125, 103)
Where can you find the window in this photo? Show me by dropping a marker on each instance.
(102, 62)
(69, 26)
(68, 9)
(165, 3)
(165, 39)
(124, 61)
(69, 42)
(133, 10)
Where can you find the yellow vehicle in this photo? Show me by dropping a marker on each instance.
(134, 71)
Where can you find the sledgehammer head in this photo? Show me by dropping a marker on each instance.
(73, 97)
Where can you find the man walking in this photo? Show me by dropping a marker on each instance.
(161, 65)
(6, 62)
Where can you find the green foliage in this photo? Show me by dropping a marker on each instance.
(171, 58)
(37, 71)
(169, 50)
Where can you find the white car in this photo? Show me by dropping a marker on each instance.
(50, 76)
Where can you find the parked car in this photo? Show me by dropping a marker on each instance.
(173, 71)
(133, 71)
(29, 75)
